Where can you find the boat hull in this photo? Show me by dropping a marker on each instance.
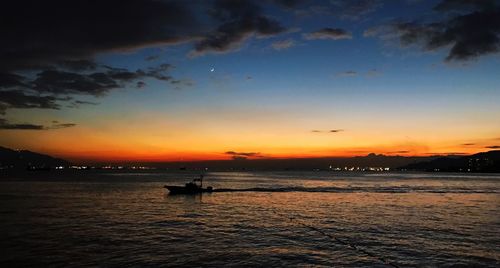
(185, 190)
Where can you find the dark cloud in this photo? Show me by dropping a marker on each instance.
(287, 3)
(55, 31)
(399, 152)
(328, 33)
(447, 153)
(354, 9)
(468, 144)
(78, 65)
(78, 103)
(159, 72)
(464, 5)
(63, 83)
(19, 99)
(242, 155)
(178, 84)
(341, 9)
(493, 147)
(5, 125)
(86, 102)
(40, 33)
(348, 73)
(65, 125)
(49, 88)
(327, 131)
(370, 73)
(468, 34)
(8, 80)
(283, 44)
(57, 40)
(48, 47)
(94, 83)
(239, 20)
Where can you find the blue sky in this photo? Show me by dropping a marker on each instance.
(404, 93)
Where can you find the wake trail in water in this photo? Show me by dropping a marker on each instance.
(358, 189)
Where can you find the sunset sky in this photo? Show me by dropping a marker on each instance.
(145, 80)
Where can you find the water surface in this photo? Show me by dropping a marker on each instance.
(319, 219)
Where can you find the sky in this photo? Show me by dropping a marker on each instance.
(153, 80)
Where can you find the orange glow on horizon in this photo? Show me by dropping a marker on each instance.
(153, 140)
(147, 156)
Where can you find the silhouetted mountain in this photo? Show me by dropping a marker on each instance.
(480, 162)
(22, 159)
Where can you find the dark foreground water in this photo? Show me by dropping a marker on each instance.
(278, 219)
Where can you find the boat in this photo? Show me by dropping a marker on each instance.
(190, 188)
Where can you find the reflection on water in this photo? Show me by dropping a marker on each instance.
(416, 220)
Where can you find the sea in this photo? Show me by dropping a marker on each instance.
(252, 219)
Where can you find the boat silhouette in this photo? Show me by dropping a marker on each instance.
(190, 188)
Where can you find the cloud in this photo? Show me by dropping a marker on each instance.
(348, 73)
(493, 147)
(52, 59)
(94, 83)
(355, 9)
(77, 103)
(65, 125)
(21, 100)
(242, 155)
(78, 65)
(461, 5)
(86, 102)
(47, 89)
(59, 30)
(370, 73)
(239, 20)
(399, 152)
(340, 9)
(468, 144)
(8, 80)
(327, 131)
(471, 33)
(287, 3)
(48, 47)
(328, 33)
(5, 125)
(447, 153)
(283, 44)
